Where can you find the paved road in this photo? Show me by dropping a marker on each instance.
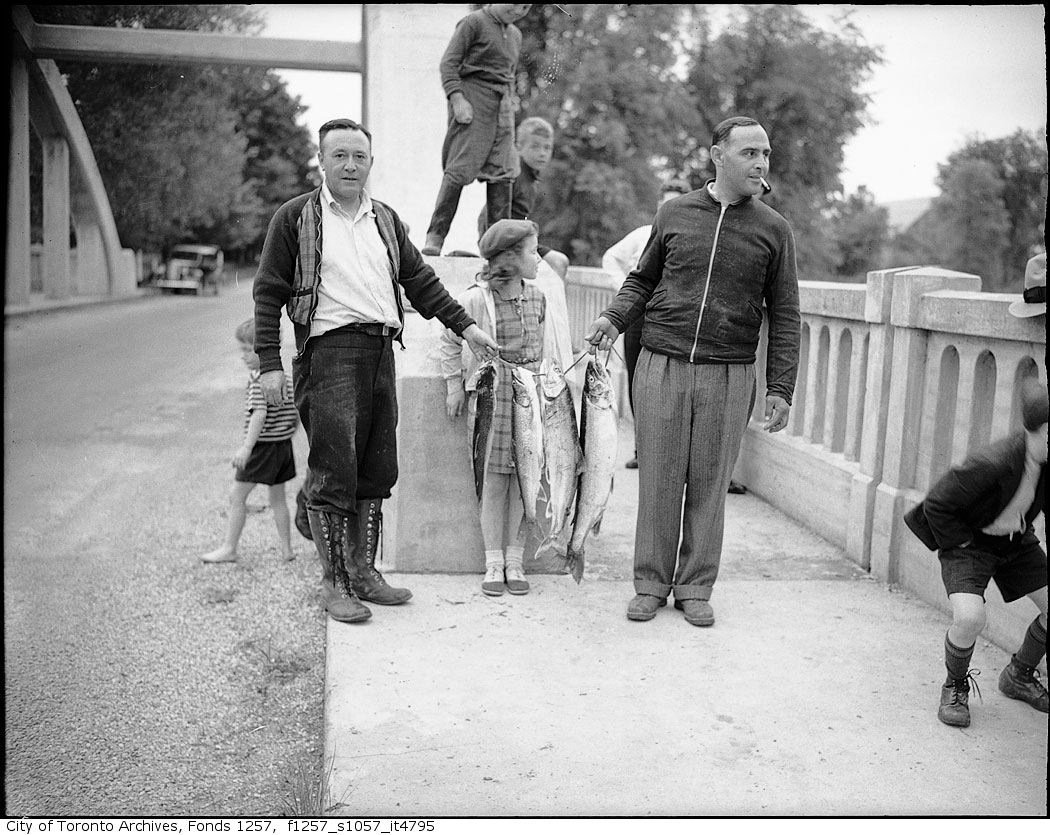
(138, 681)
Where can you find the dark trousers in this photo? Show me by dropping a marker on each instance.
(691, 422)
(347, 401)
(632, 347)
(481, 150)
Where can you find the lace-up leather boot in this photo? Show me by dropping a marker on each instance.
(368, 583)
(955, 700)
(1019, 681)
(331, 535)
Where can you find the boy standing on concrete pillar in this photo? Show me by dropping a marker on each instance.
(979, 515)
(478, 75)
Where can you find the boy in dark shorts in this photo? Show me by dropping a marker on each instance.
(265, 457)
(979, 515)
(478, 75)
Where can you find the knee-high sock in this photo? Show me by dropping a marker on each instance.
(1033, 648)
(957, 659)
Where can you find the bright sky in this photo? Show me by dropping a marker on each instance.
(949, 73)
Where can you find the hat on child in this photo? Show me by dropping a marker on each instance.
(503, 234)
(1034, 404)
(1033, 300)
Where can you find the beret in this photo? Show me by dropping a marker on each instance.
(503, 234)
(1034, 404)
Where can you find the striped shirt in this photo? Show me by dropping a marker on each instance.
(281, 421)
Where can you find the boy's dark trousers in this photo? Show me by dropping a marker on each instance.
(481, 150)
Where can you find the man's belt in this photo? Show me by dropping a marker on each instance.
(367, 328)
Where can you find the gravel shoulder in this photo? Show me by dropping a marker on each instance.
(139, 681)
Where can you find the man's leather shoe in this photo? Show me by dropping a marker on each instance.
(644, 606)
(697, 612)
(1018, 681)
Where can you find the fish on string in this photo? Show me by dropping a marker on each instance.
(527, 441)
(598, 440)
(481, 443)
(562, 455)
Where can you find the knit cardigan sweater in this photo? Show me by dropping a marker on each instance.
(289, 275)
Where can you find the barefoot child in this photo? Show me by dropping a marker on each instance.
(265, 457)
(979, 515)
(507, 305)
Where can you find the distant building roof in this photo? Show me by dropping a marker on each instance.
(903, 213)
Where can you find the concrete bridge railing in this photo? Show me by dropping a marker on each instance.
(899, 378)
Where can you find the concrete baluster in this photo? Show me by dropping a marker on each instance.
(855, 400)
(816, 381)
(964, 401)
(834, 399)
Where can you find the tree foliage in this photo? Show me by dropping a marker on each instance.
(860, 229)
(634, 92)
(187, 152)
(1015, 176)
(975, 218)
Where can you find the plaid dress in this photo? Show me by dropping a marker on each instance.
(519, 329)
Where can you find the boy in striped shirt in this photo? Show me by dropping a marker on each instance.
(265, 457)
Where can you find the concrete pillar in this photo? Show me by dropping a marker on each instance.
(905, 403)
(91, 272)
(879, 363)
(404, 43)
(57, 278)
(17, 268)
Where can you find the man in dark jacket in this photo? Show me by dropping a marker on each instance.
(714, 257)
(339, 260)
(979, 517)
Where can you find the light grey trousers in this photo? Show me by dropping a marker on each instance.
(690, 420)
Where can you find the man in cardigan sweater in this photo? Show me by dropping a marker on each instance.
(338, 260)
(978, 517)
(714, 256)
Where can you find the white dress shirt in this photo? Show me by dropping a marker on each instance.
(356, 276)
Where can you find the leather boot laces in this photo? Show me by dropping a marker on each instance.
(962, 685)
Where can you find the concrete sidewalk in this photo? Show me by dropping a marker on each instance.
(814, 694)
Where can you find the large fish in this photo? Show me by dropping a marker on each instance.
(527, 439)
(481, 443)
(561, 447)
(598, 434)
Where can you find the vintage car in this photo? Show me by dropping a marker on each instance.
(193, 267)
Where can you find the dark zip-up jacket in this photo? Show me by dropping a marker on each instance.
(701, 282)
(971, 495)
(294, 239)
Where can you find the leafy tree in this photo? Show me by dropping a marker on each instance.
(860, 230)
(602, 74)
(1019, 161)
(975, 218)
(634, 92)
(204, 152)
(803, 84)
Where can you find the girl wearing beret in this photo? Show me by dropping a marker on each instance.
(509, 307)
